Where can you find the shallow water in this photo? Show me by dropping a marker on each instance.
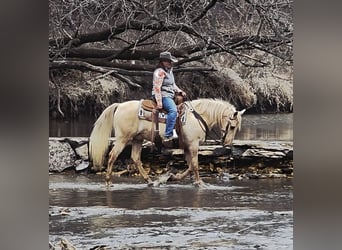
(225, 214)
(266, 127)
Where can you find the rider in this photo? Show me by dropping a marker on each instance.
(163, 92)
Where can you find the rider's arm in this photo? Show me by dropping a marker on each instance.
(178, 90)
(158, 78)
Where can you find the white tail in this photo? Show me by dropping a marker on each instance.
(98, 140)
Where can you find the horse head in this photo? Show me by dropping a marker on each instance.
(231, 124)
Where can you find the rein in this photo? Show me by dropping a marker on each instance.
(225, 132)
(200, 118)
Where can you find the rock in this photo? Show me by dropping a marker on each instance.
(82, 151)
(220, 151)
(263, 153)
(176, 152)
(205, 153)
(81, 165)
(245, 156)
(61, 156)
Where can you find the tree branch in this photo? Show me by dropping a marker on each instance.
(194, 69)
(202, 14)
(80, 65)
(84, 65)
(58, 89)
(127, 24)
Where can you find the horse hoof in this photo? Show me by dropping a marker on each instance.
(156, 183)
(199, 183)
(149, 182)
(109, 183)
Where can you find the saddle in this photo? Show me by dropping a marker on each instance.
(148, 111)
(148, 108)
(151, 105)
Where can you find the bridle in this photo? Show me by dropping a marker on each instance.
(228, 126)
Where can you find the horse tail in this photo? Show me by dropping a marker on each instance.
(98, 140)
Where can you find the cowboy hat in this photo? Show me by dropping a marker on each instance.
(167, 56)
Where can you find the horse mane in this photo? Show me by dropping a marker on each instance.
(212, 108)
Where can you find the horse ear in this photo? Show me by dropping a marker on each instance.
(242, 111)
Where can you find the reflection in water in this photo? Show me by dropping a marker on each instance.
(254, 127)
(75, 128)
(267, 127)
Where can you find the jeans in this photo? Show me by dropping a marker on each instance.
(170, 106)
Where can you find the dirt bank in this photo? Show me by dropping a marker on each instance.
(260, 90)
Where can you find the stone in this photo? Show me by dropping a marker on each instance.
(61, 156)
(82, 152)
(205, 153)
(263, 153)
(242, 156)
(81, 165)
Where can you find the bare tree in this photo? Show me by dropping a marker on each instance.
(123, 38)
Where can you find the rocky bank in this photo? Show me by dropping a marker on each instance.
(246, 159)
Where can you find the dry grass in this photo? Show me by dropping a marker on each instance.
(262, 90)
(273, 93)
(84, 94)
(271, 87)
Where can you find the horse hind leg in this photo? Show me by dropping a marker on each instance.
(113, 155)
(136, 153)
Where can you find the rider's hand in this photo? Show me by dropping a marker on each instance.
(182, 93)
(159, 106)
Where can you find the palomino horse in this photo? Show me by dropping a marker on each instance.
(128, 128)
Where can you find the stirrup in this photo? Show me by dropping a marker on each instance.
(174, 134)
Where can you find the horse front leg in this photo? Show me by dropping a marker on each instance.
(193, 158)
(135, 155)
(113, 155)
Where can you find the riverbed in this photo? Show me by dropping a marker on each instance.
(224, 214)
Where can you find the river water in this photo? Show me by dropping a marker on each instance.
(224, 214)
(268, 127)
